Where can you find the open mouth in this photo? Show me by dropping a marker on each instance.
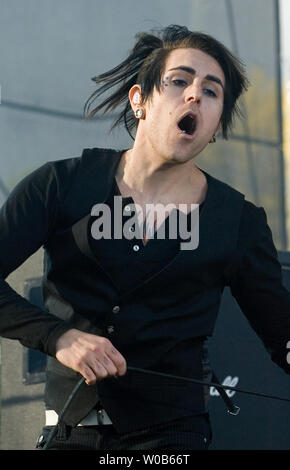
(187, 124)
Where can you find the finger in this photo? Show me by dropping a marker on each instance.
(94, 372)
(118, 360)
(90, 369)
(97, 357)
(109, 365)
(101, 347)
(88, 374)
(102, 367)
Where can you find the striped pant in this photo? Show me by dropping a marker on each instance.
(191, 433)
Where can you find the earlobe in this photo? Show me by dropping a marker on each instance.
(139, 113)
(218, 129)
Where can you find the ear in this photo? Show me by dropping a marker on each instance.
(135, 97)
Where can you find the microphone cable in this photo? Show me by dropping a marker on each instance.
(202, 382)
(171, 376)
(63, 411)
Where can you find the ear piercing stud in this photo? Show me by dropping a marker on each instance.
(139, 113)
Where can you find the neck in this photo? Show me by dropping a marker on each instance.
(153, 177)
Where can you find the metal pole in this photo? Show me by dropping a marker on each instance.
(282, 194)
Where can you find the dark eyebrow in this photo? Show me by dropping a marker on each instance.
(190, 70)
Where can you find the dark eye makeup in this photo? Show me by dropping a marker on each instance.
(180, 82)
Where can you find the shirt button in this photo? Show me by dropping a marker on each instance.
(116, 309)
(110, 329)
(127, 208)
(136, 247)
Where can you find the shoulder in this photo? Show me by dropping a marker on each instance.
(64, 170)
(250, 211)
(252, 218)
(253, 214)
(255, 233)
(87, 157)
(97, 158)
(221, 192)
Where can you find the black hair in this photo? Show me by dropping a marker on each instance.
(145, 65)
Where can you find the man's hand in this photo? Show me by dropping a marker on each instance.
(94, 357)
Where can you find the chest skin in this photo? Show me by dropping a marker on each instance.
(157, 210)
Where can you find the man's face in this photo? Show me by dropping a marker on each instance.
(193, 86)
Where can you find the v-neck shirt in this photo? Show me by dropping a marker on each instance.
(130, 261)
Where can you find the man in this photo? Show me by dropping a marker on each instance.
(118, 302)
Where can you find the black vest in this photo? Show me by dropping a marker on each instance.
(162, 322)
